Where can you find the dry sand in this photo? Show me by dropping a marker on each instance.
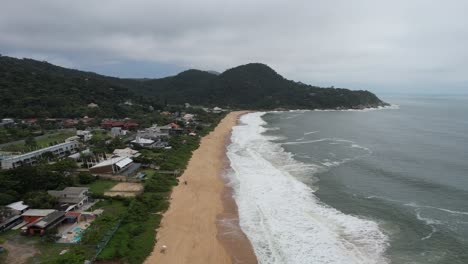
(190, 228)
(125, 189)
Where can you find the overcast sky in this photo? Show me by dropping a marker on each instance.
(396, 46)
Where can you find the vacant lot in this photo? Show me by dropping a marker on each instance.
(126, 189)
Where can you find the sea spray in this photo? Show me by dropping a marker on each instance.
(281, 216)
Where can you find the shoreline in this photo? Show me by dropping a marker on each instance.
(191, 227)
(230, 234)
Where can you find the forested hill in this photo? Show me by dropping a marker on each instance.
(30, 88)
(252, 86)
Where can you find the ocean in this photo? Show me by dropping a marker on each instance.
(370, 186)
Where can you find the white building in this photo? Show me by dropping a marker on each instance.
(84, 135)
(118, 131)
(126, 152)
(6, 121)
(113, 165)
(144, 142)
(31, 158)
(217, 110)
(153, 132)
(18, 207)
(188, 117)
(72, 196)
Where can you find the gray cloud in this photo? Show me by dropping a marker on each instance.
(377, 45)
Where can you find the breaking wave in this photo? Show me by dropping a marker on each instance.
(281, 216)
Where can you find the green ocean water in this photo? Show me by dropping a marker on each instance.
(405, 168)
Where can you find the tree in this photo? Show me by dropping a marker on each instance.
(40, 200)
(30, 142)
(86, 178)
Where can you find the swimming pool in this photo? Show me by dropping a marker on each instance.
(77, 238)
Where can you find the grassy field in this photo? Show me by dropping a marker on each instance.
(44, 141)
(101, 186)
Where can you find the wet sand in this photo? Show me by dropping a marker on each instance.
(201, 224)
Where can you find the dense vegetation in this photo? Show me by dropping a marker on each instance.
(30, 88)
(30, 183)
(252, 86)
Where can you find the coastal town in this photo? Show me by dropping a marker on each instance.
(89, 189)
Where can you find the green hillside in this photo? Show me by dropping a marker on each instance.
(30, 88)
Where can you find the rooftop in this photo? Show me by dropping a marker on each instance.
(44, 222)
(38, 212)
(18, 206)
(69, 191)
(109, 162)
(140, 140)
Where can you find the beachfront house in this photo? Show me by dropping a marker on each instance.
(71, 198)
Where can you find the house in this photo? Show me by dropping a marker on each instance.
(71, 197)
(77, 156)
(40, 226)
(172, 129)
(217, 110)
(29, 121)
(126, 152)
(143, 142)
(30, 158)
(188, 117)
(93, 105)
(118, 131)
(154, 132)
(7, 121)
(128, 125)
(84, 135)
(32, 215)
(18, 207)
(87, 120)
(112, 166)
(10, 222)
(70, 122)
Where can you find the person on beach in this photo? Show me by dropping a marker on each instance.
(185, 182)
(163, 249)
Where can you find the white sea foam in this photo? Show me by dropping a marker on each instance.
(390, 107)
(311, 132)
(281, 216)
(428, 221)
(437, 208)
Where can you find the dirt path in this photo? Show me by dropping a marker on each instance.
(19, 252)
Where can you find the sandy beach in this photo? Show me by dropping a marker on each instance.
(192, 228)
